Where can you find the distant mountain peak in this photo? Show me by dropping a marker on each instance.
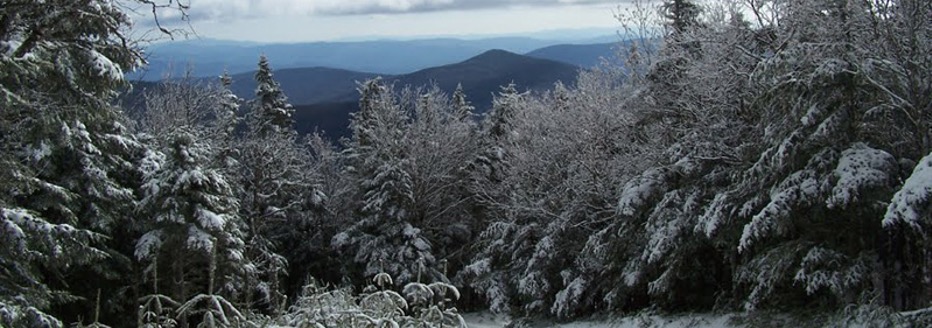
(494, 54)
(497, 58)
(498, 52)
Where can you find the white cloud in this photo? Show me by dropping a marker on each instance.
(314, 20)
(226, 9)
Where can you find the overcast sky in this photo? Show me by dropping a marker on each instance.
(317, 20)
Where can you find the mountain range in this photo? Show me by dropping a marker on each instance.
(481, 77)
(325, 96)
(582, 55)
(205, 58)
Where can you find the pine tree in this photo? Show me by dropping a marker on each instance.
(384, 235)
(273, 113)
(191, 211)
(279, 189)
(71, 160)
(681, 15)
(462, 108)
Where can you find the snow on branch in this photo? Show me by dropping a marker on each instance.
(910, 205)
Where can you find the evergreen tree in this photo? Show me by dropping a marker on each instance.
(490, 173)
(462, 108)
(279, 190)
(227, 115)
(273, 113)
(384, 236)
(192, 212)
(497, 133)
(71, 161)
(681, 15)
(439, 141)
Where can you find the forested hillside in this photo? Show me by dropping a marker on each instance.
(748, 157)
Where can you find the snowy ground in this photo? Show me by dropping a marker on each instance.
(486, 320)
(918, 318)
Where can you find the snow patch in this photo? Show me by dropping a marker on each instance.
(911, 203)
(148, 244)
(104, 66)
(209, 219)
(860, 168)
(489, 320)
(199, 239)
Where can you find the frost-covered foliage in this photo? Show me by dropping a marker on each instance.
(777, 187)
(767, 165)
(405, 158)
(910, 205)
(271, 194)
(765, 154)
(423, 305)
(189, 208)
(30, 244)
(69, 159)
(830, 159)
(273, 113)
(58, 48)
(279, 190)
(554, 183)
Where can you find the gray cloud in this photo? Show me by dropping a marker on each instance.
(390, 7)
(232, 9)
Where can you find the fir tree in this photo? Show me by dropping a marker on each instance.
(462, 108)
(227, 116)
(273, 113)
(71, 160)
(191, 212)
(681, 15)
(384, 237)
(279, 190)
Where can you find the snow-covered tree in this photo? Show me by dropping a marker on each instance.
(69, 156)
(463, 110)
(404, 156)
(562, 160)
(833, 156)
(792, 169)
(681, 15)
(278, 192)
(383, 239)
(228, 112)
(489, 171)
(440, 140)
(273, 113)
(279, 189)
(191, 221)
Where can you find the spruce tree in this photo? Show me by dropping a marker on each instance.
(279, 189)
(70, 186)
(384, 235)
(681, 15)
(462, 108)
(273, 113)
(192, 221)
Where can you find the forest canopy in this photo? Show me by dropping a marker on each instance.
(736, 156)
